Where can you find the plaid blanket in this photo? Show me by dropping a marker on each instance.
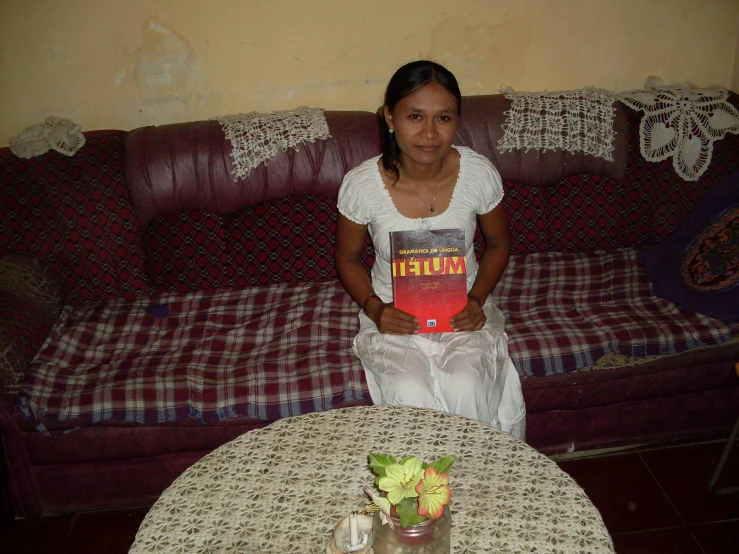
(267, 352)
(282, 350)
(566, 310)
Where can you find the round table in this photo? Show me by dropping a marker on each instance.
(283, 488)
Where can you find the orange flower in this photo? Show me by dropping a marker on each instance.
(433, 493)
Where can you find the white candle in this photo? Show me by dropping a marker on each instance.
(353, 530)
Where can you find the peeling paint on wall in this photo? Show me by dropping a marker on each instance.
(482, 56)
(166, 66)
(234, 56)
(287, 92)
(119, 77)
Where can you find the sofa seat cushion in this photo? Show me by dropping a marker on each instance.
(281, 350)
(564, 311)
(264, 352)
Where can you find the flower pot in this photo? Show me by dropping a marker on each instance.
(432, 536)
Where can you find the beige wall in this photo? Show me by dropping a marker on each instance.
(127, 63)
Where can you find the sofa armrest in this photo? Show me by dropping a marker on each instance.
(31, 298)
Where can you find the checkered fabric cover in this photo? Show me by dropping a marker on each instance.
(282, 350)
(570, 309)
(265, 352)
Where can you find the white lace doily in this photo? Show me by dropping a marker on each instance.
(283, 488)
(62, 135)
(683, 122)
(258, 137)
(573, 120)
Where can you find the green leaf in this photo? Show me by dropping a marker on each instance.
(443, 465)
(378, 463)
(407, 510)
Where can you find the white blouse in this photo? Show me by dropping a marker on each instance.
(364, 199)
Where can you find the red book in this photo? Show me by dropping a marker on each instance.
(429, 271)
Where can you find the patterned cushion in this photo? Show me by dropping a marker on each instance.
(31, 298)
(698, 266)
(185, 251)
(289, 240)
(23, 321)
(578, 214)
(34, 282)
(565, 310)
(76, 214)
(13, 362)
(712, 260)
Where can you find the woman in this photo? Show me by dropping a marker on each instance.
(422, 182)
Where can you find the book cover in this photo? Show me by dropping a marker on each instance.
(429, 272)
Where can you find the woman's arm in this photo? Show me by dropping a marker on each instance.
(353, 275)
(494, 227)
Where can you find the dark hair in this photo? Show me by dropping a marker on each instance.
(407, 80)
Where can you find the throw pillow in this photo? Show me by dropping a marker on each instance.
(698, 266)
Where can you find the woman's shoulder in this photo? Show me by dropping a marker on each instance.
(471, 157)
(476, 164)
(367, 169)
(356, 180)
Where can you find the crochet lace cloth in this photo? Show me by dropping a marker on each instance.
(573, 121)
(683, 122)
(283, 488)
(62, 135)
(258, 137)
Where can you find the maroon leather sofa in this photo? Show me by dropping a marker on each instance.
(157, 209)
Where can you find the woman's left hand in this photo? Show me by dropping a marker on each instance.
(472, 318)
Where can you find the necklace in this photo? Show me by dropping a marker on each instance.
(407, 182)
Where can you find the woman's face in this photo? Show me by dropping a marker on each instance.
(425, 123)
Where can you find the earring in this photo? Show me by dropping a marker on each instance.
(391, 131)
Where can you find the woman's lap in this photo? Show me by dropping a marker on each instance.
(469, 374)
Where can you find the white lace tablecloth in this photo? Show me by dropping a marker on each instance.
(283, 488)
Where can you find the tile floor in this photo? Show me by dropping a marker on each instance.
(654, 500)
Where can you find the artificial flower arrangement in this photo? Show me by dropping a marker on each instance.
(416, 490)
(413, 492)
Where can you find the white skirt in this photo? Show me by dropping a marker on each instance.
(466, 373)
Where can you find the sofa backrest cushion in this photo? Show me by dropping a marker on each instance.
(188, 166)
(286, 240)
(281, 229)
(75, 213)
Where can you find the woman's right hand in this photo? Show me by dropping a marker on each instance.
(349, 245)
(390, 319)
